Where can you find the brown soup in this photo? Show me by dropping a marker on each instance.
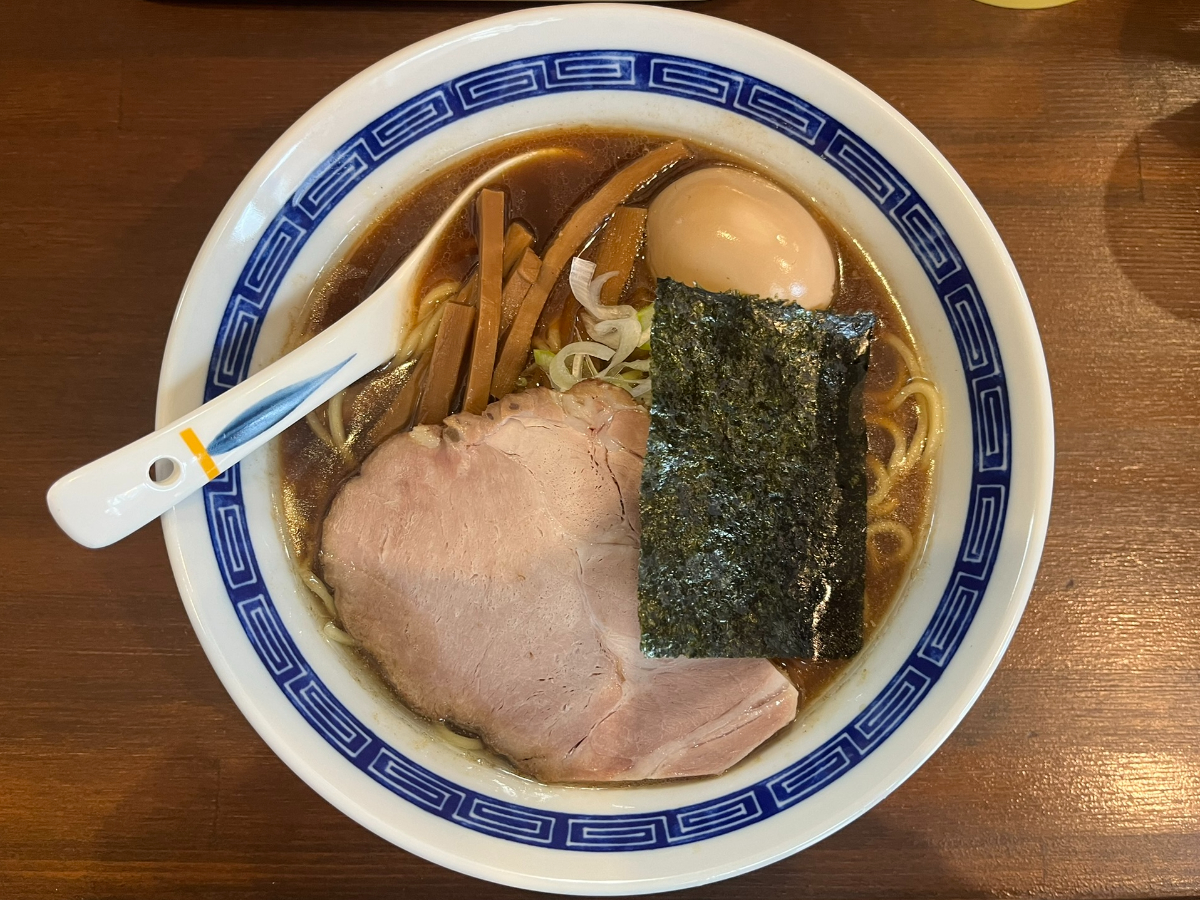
(541, 195)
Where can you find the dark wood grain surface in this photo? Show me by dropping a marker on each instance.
(125, 769)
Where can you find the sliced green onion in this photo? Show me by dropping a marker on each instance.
(616, 332)
(560, 376)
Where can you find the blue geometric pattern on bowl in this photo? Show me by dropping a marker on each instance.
(810, 128)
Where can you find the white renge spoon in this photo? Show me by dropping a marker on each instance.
(117, 494)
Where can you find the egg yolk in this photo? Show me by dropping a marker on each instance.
(724, 228)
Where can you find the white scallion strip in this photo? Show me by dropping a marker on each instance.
(616, 332)
(623, 335)
(563, 378)
(637, 387)
(586, 288)
(638, 365)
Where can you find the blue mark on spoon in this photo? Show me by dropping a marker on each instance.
(269, 411)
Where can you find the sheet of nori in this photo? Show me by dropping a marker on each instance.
(754, 495)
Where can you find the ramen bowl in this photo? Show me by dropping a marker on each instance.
(812, 128)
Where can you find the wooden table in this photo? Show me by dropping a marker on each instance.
(125, 769)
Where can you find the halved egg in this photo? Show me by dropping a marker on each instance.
(725, 228)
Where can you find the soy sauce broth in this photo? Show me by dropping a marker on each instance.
(542, 195)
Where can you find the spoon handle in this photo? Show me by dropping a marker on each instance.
(117, 494)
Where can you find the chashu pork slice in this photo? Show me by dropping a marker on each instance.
(490, 566)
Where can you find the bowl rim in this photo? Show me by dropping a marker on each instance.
(1043, 459)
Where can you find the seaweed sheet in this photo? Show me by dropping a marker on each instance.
(754, 495)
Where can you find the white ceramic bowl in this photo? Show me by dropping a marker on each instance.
(813, 128)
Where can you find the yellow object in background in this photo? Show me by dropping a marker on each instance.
(1026, 4)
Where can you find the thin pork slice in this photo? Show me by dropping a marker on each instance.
(490, 566)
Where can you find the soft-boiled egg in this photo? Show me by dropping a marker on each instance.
(725, 228)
